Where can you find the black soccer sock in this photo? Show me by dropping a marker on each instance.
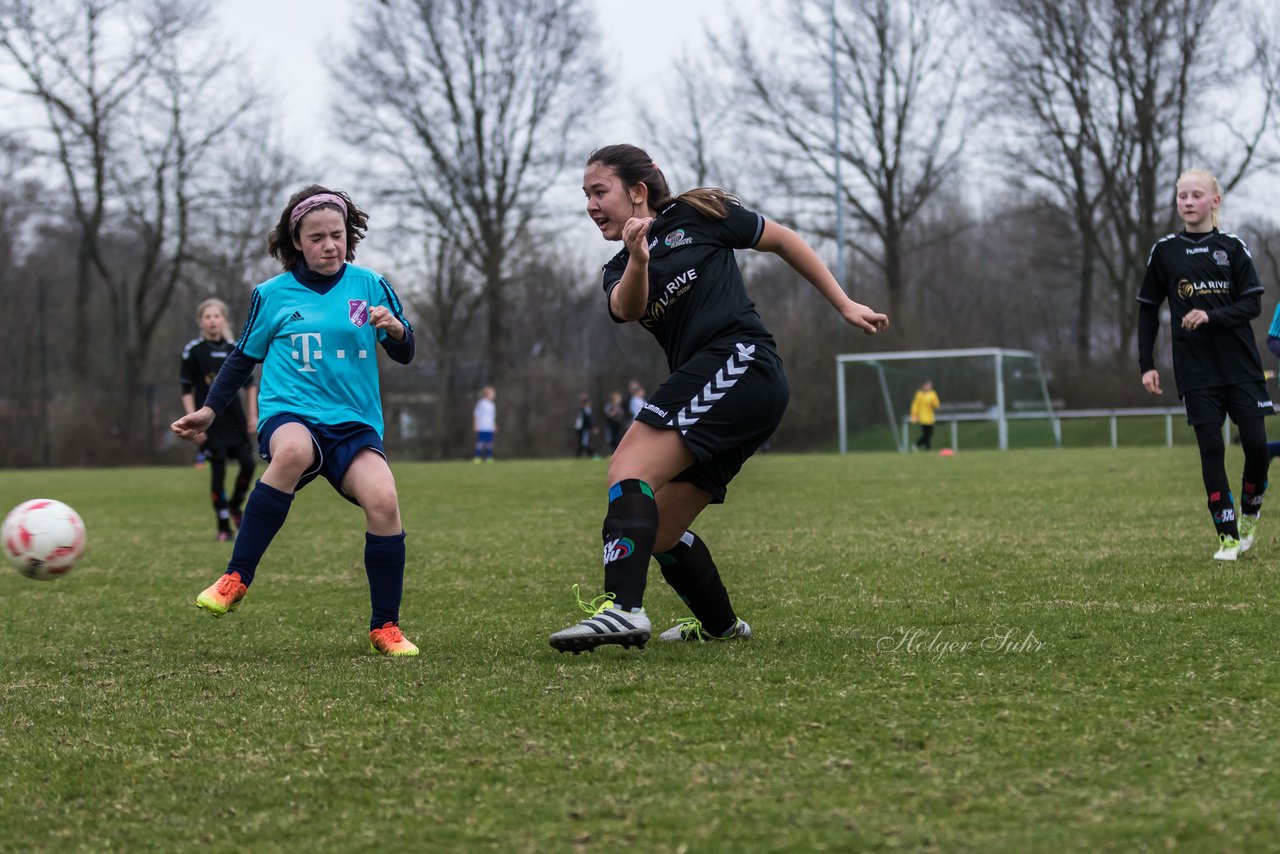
(1253, 441)
(218, 492)
(691, 572)
(630, 527)
(1213, 470)
(384, 567)
(241, 488)
(264, 513)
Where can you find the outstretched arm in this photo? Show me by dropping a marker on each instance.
(799, 255)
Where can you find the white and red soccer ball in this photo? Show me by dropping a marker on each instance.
(42, 538)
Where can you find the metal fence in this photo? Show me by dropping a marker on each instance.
(1057, 416)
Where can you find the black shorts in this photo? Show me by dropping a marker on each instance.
(725, 402)
(241, 452)
(1242, 400)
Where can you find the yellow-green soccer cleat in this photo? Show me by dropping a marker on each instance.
(1229, 548)
(690, 629)
(1248, 532)
(223, 596)
(389, 640)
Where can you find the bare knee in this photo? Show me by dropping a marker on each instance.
(381, 507)
(291, 460)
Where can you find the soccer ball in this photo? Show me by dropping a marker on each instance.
(43, 538)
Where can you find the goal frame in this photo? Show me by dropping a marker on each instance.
(1000, 416)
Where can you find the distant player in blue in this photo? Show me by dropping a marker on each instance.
(315, 329)
(484, 420)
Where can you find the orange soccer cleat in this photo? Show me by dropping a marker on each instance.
(389, 640)
(224, 595)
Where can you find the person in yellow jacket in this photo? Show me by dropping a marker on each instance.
(923, 406)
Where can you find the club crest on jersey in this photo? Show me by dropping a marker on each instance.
(677, 238)
(1220, 258)
(358, 311)
(1186, 290)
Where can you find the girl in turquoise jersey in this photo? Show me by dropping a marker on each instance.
(314, 329)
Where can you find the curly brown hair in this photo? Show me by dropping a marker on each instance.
(280, 240)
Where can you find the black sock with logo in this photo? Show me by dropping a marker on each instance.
(1213, 470)
(630, 528)
(1253, 441)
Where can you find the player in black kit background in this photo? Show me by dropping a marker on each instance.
(229, 437)
(678, 277)
(1214, 293)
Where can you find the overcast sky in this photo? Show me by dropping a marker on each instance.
(287, 40)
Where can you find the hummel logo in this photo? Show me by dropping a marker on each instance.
(720, 384)
(297, 315)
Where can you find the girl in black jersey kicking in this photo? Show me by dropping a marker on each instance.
(677, 276)
(1213, 294)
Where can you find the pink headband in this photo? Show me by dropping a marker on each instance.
(310, 203)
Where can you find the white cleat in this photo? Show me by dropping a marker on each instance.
(1230, 548)
(690, 629)
(1248, 532)
(607, 624)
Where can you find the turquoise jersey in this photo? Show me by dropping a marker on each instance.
(1274, 331)
(319, 350)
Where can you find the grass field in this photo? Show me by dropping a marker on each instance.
(1028, 651)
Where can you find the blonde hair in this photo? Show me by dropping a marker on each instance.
(212, 302)
(1215, 218)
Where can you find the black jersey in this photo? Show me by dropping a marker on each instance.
(201, 361)
(1212, 272)
(696, 294)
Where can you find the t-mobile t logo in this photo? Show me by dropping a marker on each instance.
(306, 346)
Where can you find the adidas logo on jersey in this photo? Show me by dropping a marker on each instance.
(297, 315)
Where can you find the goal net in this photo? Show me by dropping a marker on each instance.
(984, 393)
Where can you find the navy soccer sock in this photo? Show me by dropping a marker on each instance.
(384, 566)
(630, 528)
(264, 513)
(691, 572)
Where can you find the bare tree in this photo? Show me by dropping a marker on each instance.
(24, 312)
(133, 112)
(1109, 101)
(254, 178)
(472, 104)
(693, 126)
(899, 70)
(446, 309)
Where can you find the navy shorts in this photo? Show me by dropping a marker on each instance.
(725, 401)
(336, 446)
(1242, 400)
